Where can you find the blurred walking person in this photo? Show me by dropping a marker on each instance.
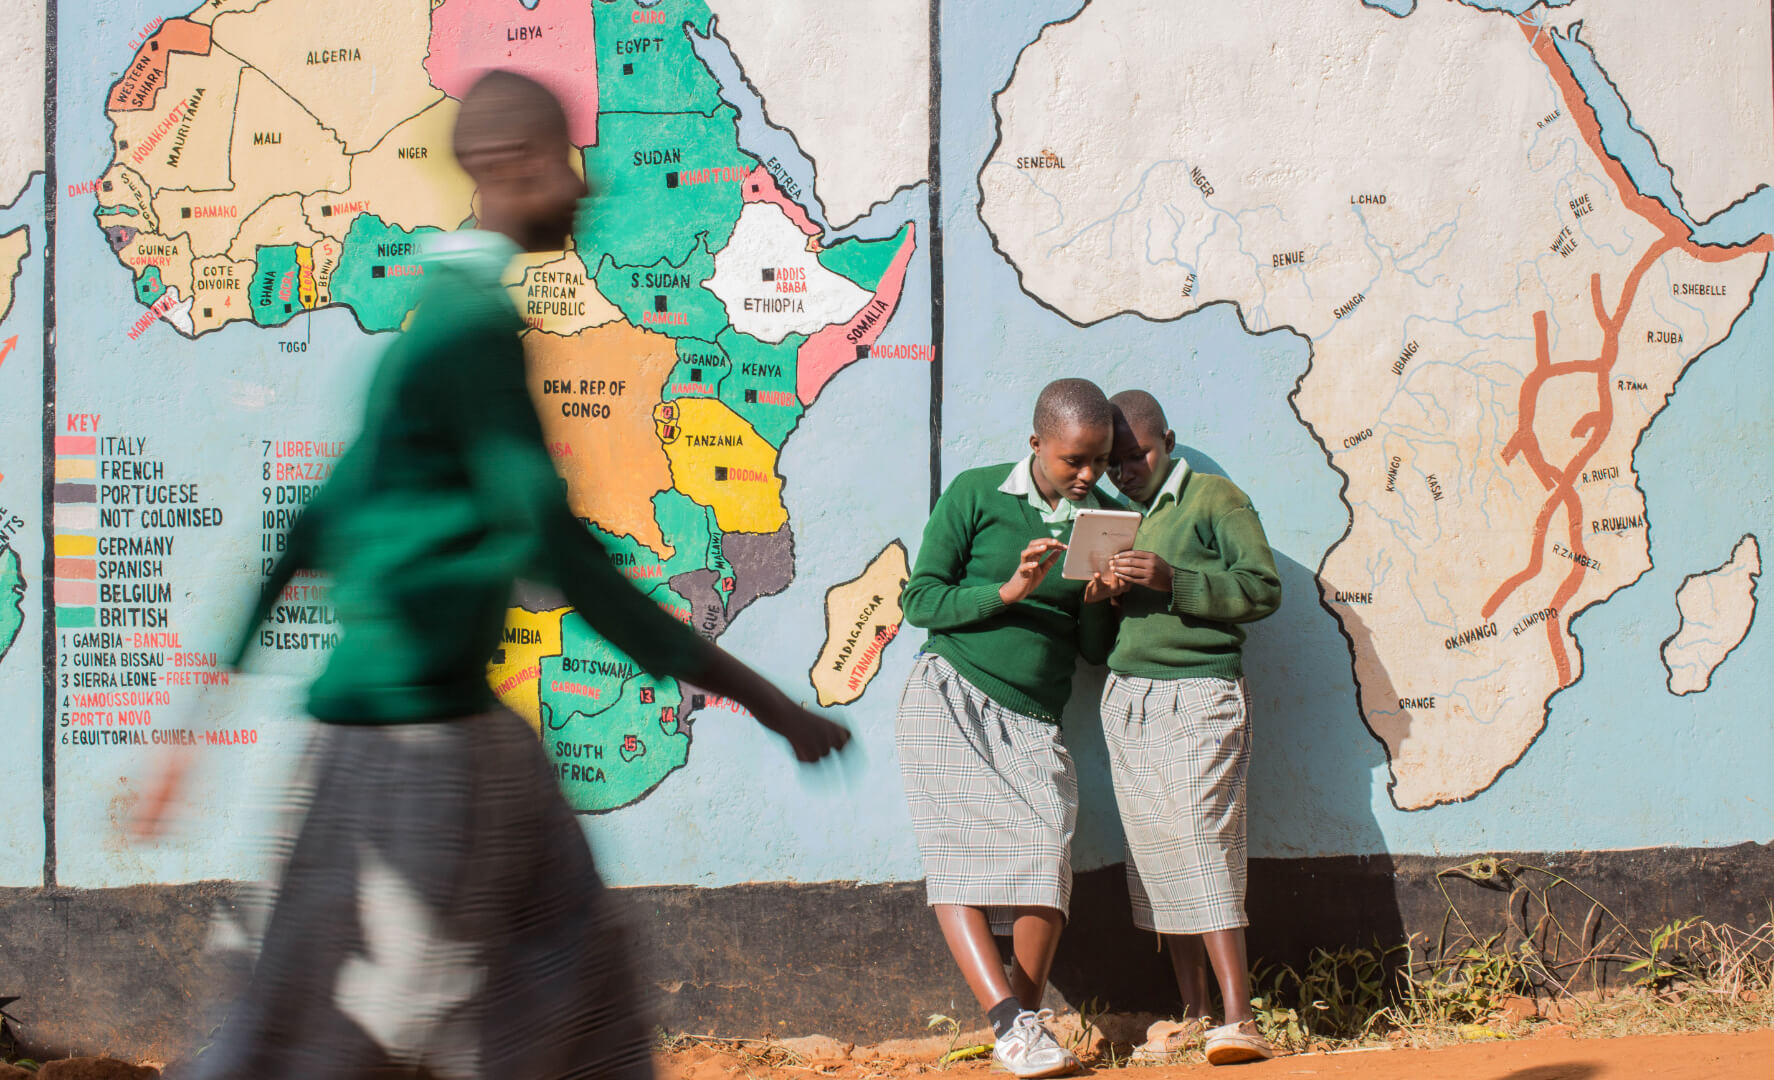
(439, 906)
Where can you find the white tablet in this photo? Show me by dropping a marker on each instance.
(1096, 535)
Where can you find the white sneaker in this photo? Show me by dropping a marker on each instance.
(1234, 1044)
(1029, 1050)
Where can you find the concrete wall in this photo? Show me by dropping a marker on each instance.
(992, 208)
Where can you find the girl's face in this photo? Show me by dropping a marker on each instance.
(1070, 461)
(1139, 458)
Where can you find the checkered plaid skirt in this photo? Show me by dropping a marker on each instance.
(437, 905)
(1179, 750)
(993, 795)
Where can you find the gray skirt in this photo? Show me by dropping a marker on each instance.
(993, 796)
(437, 905)
(1179, 751)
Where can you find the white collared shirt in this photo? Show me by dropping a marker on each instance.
(1172, 486)
(477, 250)
(1021, 481)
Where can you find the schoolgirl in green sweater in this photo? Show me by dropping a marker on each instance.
(993, 794)
(1176, 718)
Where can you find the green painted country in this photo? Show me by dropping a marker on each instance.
(617, 757)
(863, 261)
(276, 287)
(12, 599)
(698, 373)
(667, 298)
(149, 287)
(649, 66)
(379, 276)
(761, 386)
(658, 182)
(587, 677)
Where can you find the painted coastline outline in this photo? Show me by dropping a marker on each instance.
(1311, 356)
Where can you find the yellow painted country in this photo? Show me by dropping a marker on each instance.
(517, 677)
(718, 460)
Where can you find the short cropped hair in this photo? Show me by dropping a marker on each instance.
(1071, 402)
(502, 107)
(1141, 410)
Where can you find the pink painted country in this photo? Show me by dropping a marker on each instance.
(834, 348)
(760, 186)
(552, 44)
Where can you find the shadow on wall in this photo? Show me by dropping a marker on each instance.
(1295, 904)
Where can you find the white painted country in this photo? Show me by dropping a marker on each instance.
(802, 296)
(179, 315)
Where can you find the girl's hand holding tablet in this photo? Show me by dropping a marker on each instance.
(1141, 568)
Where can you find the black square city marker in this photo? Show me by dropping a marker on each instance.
(697, 701)
(378, 271)
(326, 211)
(720, 472)
(286, 309)
(695, 374)
(769, 273)
(659, 303)
(671, 179)
(184, 211)
(207, 313)
(862, 352)
(628, 69)
(751, 397)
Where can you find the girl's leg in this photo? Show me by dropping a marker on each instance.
(1034, 940)
(1023, 1046)
(1226, 949)
(1189, 960)
(970, 941)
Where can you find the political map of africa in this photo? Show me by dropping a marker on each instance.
(260, 175)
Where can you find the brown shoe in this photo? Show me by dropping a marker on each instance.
(1234, 1044)
(1167, 1038)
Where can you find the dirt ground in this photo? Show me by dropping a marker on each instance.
(1737, 1056)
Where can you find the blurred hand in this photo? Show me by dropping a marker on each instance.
(159, 805)
(1142, 568)
(1031, 569)
(810, 735)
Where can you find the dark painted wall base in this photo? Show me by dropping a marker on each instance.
(124, 971)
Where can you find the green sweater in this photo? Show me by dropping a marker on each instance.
(446, 498)
(1020, 655)
(1223, 574)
